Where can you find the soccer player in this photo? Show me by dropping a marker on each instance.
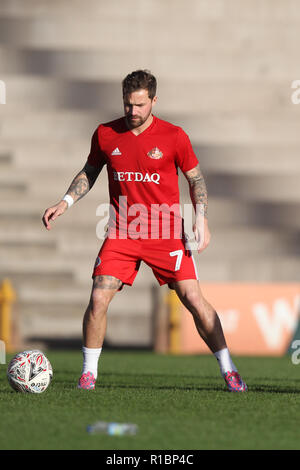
(142, 154)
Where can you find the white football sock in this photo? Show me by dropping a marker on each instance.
(225, 361)
(90, 360)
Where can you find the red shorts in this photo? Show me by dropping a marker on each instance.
(169, 259)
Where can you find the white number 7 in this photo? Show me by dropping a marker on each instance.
(179, 254)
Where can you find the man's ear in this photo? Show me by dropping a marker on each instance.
(154, 100)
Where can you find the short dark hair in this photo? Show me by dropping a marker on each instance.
(137, 80)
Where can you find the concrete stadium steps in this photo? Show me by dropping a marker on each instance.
(44, 154)
(239, 128)
(212, 96)
(16, 220)
(268, 188)
(225, 243)
(65, 237)
(80, 226)
(257, 240)
(11, 189)
(247, 242)
(54, 125)
(249, 159)
(46, 182)
(253, 10)
(273, 224)
(33, 248)
(39, 323)
(30, 229)
(64, 319)
(204, 129)
(83, 247)
(101, 64)
(244, 198)
(5, 160)
(52, 278)
(272, 268)
(268, 12)
(228, 212)
(82, 33)
(65, 294)
(64, 322)
(231, 210)
(76, 262)
(69, 156)
(56, 308)
(33, 201)
(278, 188)
(98, 9)
(30, 93)
(81, 266)
(249, 166)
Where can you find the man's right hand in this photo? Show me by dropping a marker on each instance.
(53, 212)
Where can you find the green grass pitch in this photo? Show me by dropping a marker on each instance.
(178, 402)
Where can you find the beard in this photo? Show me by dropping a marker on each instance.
(136, 121)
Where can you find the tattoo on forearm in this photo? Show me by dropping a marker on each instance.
(83, 182)
(79, 186)
(198, 190)
(106, 282)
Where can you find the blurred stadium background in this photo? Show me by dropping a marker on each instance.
(225, 70)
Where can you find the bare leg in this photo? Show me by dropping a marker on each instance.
(94, 321)
(210, 329)
(205, 317)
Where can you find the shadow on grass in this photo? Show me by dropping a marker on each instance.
(149, 381)
(153, 382)
(257, 388)
(270, 389)
(273, 389)
(162, 387)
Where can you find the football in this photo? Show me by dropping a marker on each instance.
(29, 372)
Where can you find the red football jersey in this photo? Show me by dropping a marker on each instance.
(143, 176)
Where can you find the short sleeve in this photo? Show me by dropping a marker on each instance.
(96, 157)
(185, 156)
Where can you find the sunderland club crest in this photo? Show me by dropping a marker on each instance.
(155, 153)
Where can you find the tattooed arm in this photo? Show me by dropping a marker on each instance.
(198, 193)
(79, 187)
(83, 182)
(198, 190)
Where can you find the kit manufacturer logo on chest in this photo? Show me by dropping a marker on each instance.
(155, 153)
(116, 152)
